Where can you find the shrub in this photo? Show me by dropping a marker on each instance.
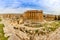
(0, 19)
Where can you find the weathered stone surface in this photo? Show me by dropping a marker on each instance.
(17, 34)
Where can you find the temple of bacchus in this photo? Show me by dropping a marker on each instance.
(35, 15)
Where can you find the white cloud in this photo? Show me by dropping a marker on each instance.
(50, 5)
(53, 5)
(18, 10)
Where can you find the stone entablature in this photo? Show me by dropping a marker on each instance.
(34, 15)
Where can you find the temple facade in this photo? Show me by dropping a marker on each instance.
(34, 15)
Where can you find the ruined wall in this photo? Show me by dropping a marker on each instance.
(34, 15)
(49, 17)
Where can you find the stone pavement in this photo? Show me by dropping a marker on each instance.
(16, 34)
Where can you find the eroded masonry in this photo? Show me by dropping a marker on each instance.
(34, 15)
(31, 25)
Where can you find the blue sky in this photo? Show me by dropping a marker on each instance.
(19, 6)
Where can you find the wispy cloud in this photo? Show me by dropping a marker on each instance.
(16, 6)
(10, 10)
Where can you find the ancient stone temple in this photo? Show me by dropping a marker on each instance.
(34, 15)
